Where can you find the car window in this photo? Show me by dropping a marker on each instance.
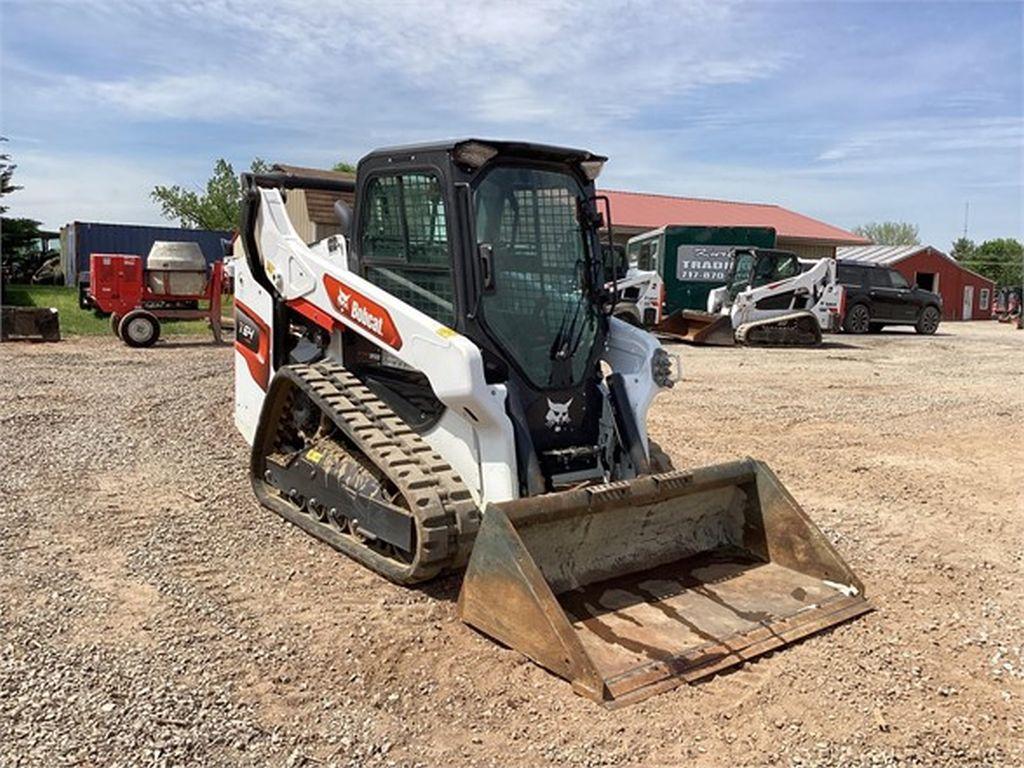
(898, 280)
(879, 278)
(850, 275)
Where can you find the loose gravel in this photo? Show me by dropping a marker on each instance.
(154, 615)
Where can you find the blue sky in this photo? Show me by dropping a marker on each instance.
(846, 111)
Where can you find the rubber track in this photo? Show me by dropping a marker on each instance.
(748, 333)
(446, 515)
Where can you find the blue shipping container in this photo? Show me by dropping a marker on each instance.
(80, 239)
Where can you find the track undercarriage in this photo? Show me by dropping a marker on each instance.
(335, 460)
(799, 329)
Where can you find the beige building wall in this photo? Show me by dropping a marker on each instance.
(807, 250)
(298, 212)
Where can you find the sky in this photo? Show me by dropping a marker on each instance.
(846, 111)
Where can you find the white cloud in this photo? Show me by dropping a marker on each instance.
(529, 61)
(935, 138)
(62, 187)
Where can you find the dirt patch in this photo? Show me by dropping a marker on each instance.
(154, 613)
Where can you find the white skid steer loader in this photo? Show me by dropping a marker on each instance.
(772, 299)
(442, 388)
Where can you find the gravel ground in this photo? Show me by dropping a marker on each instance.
(153, 614)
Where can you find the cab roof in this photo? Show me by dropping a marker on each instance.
(505, 148)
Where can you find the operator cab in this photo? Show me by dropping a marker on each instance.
(499, 241)
(755, 267)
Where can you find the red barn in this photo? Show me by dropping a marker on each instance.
(966, 295)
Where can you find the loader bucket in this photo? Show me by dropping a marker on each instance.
(632, 588)
(29, 324)
(697, 328)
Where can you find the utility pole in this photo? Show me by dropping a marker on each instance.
(967, 211)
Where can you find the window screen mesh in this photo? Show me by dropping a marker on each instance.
(529, 218)
(404, 245)
(539, 250)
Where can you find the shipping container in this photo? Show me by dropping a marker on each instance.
(692, 261)
(80, 239)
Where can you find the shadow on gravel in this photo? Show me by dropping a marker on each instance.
(445, 588)
(679, 345)
(192, 344)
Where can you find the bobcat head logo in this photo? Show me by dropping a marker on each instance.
(558, 415)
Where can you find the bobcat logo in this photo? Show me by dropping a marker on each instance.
(343, 300)
(558, 415)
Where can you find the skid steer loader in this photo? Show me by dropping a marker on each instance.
(442, 387)
(772, 298)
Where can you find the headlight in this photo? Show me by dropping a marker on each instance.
(591, 168)
(662, 370)
(473, 153)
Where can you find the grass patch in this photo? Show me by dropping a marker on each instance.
(75, 321)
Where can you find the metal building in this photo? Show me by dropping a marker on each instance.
(312, 210)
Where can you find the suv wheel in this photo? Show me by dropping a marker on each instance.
(928, 321)
(857, 320)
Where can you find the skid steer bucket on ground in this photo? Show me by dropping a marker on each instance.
(697, 328)
(632, 588)
(29, 324)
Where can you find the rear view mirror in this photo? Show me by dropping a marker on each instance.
(344, 214)
(616, 264)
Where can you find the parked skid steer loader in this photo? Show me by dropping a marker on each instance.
(442, 387)
(772, 298)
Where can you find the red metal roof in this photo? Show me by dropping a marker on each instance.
(637, 209)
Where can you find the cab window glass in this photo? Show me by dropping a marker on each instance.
(404, 242)
(785, 267)
(744, 267)
(648, 255)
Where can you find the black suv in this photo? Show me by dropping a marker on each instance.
(879, 296)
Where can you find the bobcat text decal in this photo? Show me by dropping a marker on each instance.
(364, 313)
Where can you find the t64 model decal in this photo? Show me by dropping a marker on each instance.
(252, 341)
(361, 311)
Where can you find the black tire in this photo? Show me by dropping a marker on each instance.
(115, 322)
(139, 328)
(875, 328)
(858, 319)
(928, 321)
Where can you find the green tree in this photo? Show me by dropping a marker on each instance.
(343, 167)
(217, 206)
(19, 249)
(889, 232)
(1000, 260)
(6, 175)
(962, 249)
